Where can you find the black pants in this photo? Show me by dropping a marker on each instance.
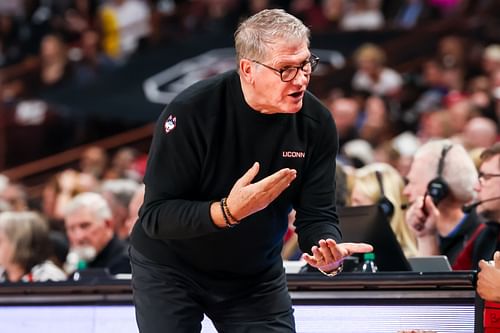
(169, 300)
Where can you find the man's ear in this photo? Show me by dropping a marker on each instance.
(246, 70)
(109, 223)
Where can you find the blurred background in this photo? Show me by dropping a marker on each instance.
(83, 81)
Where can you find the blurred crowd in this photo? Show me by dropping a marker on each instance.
(394, 125)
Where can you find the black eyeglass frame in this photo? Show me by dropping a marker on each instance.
(313, 61)
(487, 176)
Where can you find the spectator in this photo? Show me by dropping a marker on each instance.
(122, 165)
(94, 161)
(16, 196)
(362, 15)
(372, 76)
(118, 194)
(491, 59)
(479, 132)
(376, 126)
(385, 189)
(486, 240)
(25, 249)
(345, 111)
(91, 238)
(93, 62)
(357, 153)
(79, 17)
(55, 68)
(440, 181)
(124, 24)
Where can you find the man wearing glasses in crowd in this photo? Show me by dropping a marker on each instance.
(486, 240)
(229, 159)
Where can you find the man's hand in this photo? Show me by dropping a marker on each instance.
(488, 279)
(422, 217)
(246, 198)
(329, 255)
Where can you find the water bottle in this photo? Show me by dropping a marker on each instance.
(369, 263)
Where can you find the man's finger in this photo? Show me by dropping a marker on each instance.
(357, 247)
(249, 175)
(280, 178)
(496, 258)
(482, 264)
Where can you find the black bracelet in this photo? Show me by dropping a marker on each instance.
(228, 213)
(228, 225)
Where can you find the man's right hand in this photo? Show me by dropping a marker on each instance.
(247, 198)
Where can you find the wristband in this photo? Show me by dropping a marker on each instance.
(226, 219)
(227, 213)
(333, 273)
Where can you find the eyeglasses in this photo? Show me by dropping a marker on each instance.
(487, 176)
(289, 73)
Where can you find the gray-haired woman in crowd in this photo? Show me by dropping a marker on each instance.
(25, 249)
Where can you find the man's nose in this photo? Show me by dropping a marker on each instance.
(78, 237)
(301, 78)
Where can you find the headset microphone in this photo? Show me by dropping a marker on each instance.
(469, 208)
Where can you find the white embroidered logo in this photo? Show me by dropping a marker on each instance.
(170, 124)
(293, 154)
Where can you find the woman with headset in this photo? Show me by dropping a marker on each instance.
(380, 183)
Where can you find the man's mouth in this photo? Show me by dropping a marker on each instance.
(297, 94)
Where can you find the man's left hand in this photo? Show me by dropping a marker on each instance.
(329, 255)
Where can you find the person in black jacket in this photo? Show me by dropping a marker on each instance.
(230, 157)
(92, 241)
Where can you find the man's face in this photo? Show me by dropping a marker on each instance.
(417, 179)
(269, 93)
(83, 229)
(488, 187)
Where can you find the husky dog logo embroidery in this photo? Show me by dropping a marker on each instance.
(170, 124)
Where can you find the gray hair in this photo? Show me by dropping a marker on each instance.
(29, 234)
(122, 189)
(94, 202)
(459, 170)
(256, 34)
(4, 181)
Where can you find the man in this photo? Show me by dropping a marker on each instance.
(91, 237)
(440, 181)
(118, 193)
(230, 157)
(345, 111)
(486, 240)
(16, 196)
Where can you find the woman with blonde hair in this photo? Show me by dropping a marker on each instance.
(380, 183)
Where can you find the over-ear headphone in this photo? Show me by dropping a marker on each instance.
(437, 188)
(384, 203)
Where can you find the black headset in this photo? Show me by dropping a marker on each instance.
(384, 203)
(438, 188)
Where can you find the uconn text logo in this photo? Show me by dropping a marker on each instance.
(293, 154)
